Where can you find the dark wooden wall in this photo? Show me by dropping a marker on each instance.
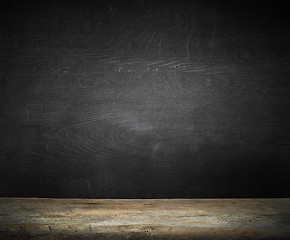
(144, 99)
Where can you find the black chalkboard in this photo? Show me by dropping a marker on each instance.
(144, 99)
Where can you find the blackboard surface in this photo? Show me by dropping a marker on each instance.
(144, 99)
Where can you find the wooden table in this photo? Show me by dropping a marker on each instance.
(31, 218)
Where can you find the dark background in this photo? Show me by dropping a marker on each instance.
(144, 99)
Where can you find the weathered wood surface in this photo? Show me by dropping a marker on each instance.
(144, 219)
(146, 100)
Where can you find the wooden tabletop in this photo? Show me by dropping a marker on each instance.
(31, 218)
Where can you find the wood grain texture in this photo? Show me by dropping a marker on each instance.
(143, 101)
(144, 219)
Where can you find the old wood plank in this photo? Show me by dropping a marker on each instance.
(144, 219)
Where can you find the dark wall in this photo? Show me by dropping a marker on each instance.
(144, 99)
